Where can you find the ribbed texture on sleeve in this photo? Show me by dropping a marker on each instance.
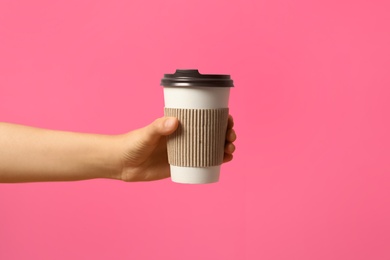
(199, 140)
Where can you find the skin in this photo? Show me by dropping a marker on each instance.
(29, 154)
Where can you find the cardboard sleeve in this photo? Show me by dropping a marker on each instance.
(199, 140)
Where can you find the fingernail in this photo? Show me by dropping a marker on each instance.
(169, 123)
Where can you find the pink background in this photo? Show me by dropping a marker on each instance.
(310, 178)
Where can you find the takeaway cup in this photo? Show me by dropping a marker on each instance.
(201, 103)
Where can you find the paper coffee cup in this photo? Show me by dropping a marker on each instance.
(201, 103)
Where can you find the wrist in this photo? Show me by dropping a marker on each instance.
(107, 157)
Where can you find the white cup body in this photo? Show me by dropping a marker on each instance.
(196, 98)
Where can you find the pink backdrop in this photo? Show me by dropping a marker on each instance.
(310, 178)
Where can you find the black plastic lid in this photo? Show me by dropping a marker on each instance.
(192, 78)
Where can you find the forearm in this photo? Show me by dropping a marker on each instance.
(30, 154)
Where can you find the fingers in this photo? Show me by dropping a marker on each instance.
(163, 126)
(230, 122)
(231, 135)
(230, 138)
(227, 157)
(160, 127)
(170, 124)
(230, 148)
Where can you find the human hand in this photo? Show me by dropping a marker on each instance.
(144, 156)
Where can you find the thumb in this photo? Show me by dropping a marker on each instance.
(160, 127)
